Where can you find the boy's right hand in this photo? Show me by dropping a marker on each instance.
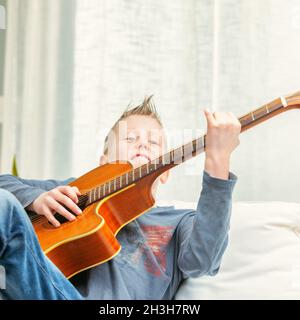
(51, 202)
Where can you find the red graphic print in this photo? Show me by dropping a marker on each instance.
(157, 238)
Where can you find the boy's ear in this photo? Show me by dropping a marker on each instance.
(103, 160)
(163, 178)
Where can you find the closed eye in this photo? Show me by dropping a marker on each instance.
(130, 139)
(154, 142)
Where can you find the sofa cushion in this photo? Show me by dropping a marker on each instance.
(262, 260)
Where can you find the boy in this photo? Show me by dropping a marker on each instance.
(159, 249)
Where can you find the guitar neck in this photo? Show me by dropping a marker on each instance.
(181, 154)
(196, 146)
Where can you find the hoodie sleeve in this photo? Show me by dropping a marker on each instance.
(27, 190)
(202, 235)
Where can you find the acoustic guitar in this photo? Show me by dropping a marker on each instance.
(114, 194)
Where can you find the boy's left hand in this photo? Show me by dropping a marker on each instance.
(223, 130)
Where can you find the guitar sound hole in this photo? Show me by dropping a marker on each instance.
(61, 219)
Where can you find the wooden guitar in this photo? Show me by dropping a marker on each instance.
(115, 194)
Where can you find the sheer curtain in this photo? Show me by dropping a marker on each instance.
(38, 88)
(228, 55)
(69, 80)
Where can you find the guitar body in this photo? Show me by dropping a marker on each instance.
(90, 239)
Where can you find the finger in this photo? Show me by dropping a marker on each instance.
(222, 118)
(58, 208)
(209, 117)
(236, 120)
(48, 214)
(68, 202)
(70, 192)
(77, 190)
(226, 118)
(231, 115)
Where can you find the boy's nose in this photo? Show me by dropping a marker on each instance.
(142, 146)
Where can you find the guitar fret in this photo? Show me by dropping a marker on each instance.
(179, 159)
(267, 108)
(127, 178)
(188, 151)
(121, 181)
(252, 116)
(284, 102)
(167, 158)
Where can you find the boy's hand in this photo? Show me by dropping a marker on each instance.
(223, 130)
(52, 201)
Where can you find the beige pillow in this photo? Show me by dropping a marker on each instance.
(262, 260)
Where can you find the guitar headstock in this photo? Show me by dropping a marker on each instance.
(293, 100)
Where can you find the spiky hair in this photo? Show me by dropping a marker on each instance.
(146, 108)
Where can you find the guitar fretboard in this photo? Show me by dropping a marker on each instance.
(173, 157)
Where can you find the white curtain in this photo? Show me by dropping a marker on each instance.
(38, 88)
(228, 55)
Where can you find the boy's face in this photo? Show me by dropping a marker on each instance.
(137, 139)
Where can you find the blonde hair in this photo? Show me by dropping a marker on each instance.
(146, 108)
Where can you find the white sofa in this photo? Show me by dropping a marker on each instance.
(262, 260)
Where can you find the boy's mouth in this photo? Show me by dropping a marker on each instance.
(141, 156)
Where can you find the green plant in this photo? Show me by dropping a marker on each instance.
(14, 167)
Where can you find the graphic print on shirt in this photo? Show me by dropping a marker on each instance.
(158, 238)
(147, 242)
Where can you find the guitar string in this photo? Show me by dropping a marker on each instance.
(145, 167)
